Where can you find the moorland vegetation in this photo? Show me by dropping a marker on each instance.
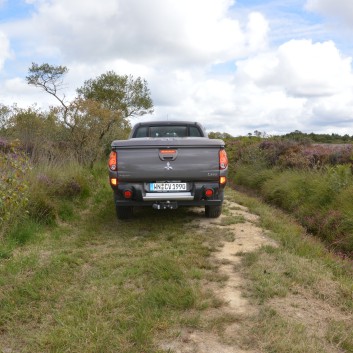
(313, 182)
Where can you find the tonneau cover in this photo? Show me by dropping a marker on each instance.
(150, 142)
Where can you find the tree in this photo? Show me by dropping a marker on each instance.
(101, 108)
(5, 113)
(219, 135)
(92, 124)
(39, 132)
(50, 78)
(123, 94)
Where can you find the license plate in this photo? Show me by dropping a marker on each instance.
(167, 186)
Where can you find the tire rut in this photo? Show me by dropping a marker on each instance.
(246, 237)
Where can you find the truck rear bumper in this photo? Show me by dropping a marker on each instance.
(180, 203)
(158, 196)
(194, 197)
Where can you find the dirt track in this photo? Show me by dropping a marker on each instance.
(245, 237)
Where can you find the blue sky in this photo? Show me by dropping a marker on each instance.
(235, 66)
(14, 9)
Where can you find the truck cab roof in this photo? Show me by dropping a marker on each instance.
(168, 128)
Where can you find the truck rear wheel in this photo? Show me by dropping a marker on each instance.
(213, 211)
(124, 212)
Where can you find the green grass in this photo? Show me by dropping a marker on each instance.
(99, 285)
(90, 283)
(280, 335)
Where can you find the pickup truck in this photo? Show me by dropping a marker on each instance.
(166, 164)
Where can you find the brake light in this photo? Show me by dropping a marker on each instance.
(113, 157)
(167, 151)
(223, 159)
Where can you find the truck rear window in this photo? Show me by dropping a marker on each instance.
(167, 131)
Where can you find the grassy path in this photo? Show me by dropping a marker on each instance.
(143, 286)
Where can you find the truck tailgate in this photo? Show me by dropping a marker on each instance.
(175, 160)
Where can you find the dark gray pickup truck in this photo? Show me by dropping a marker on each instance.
(168, 164)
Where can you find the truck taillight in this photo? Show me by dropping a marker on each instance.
(113, 160)
(223, 159)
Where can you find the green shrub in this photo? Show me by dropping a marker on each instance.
(252, 176)
(14, 166)
(285, 190)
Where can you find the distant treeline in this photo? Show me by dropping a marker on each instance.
(295, 135)
(319, 138)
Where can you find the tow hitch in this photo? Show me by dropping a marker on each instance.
(168, 205)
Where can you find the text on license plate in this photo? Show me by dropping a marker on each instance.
(167, 186)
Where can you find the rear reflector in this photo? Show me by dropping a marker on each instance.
(209, 193)
(128, 194)
(114, 181)
(222, 180)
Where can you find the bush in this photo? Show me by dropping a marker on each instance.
(252, 176)
(14, 166)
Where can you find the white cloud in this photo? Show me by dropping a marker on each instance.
(301, 85)
(342, 9)
(302, 68)
(257, 31)
(17, 91)
(4, 49)
(182, 32)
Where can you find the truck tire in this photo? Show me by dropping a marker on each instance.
(213, 211)
(124, 212)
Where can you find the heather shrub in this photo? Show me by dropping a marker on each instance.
(69, 188)
(284, 153)
(312, 182)
(251, 154)
(300, 155)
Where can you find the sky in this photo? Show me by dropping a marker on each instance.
(236, 66)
